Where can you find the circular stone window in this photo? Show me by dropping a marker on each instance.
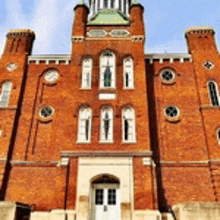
(171, 111)
(46, 111)
(51, 76)
(167, 76)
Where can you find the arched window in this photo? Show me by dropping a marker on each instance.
(213, 92)
(128, 73)
(106, 131)
(86, 73)
(120, 5)
(218, 136)
(128, 119)
(107, 70)
(105, 3)
(93, 7)
(84, 131)
(5, 95)
(112, 3)
(124, 6)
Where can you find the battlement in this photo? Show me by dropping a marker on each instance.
(199, 30)
(21, 32)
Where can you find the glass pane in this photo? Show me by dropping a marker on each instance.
(112, 197)
(99, 196)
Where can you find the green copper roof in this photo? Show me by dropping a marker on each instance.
(82, 2)
(109, 17)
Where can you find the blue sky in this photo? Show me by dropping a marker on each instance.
(165, 22)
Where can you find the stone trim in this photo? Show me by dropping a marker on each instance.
(49, 58)
(199, 30)
(112, 38)
(3, 159)
(105, 154)
(34, 163)
(78, 39)
(151, 57)
(184, 163)
(137, 38)
(8, 108)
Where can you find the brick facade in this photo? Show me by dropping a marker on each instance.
(174, 160)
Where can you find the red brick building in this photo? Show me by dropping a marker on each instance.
(109, 132)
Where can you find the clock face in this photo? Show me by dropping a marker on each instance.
(51, 76)
(11, 67)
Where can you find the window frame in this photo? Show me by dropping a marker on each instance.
(218, 136)
(216, 91)
(131, 74)
(133, 119)
(4, 90)
(101, 67)
(110, 140)
(80, 140)
(84, 69)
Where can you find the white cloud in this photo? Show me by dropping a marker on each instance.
(44, 23)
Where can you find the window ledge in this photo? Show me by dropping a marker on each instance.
(85, 89)
(83, 142)
(106, 142)
(129, 142)
(129, 89)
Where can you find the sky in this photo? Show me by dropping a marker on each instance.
(165, 22)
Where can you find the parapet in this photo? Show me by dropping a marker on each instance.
(199, 30)
(21, 32)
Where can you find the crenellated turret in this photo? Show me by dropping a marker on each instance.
(19, 42)
(200, 39)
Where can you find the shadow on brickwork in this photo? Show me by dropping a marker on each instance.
(163, 203)
(12, 140)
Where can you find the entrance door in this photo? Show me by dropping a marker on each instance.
(106, 202)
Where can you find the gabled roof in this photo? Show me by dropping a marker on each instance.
(109, 17)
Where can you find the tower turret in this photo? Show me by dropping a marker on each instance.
(80, 19)
(136, 14)
(97, 5)
(200, 39)
(19, 42)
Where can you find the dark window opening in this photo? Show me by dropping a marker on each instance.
(106, 125)
(126, 129)
(213, 94)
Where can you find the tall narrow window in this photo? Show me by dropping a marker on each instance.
(84, 132)
(213, 92)
(218, 136)
(128, 73)
(107, 70)
(86, 73)
(124, 6)
(5, 95)
(93, 7)
(112, 3)
(128, 124)
(106, 125)
(119, 4)
(105, 3)
(98, 5)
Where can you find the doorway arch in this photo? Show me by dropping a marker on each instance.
(105, 200)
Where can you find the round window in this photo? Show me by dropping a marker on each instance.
(51, 76)
(167, 75)
(46, 111)
(172, 111)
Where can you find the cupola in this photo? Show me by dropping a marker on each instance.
(97, 5)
